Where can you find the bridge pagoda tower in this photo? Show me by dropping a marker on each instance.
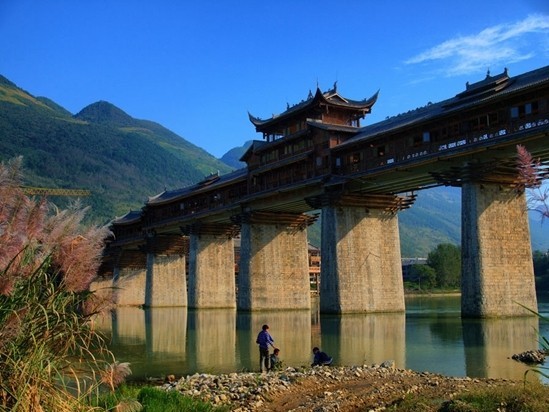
(295, 152)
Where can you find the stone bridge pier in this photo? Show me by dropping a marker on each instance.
(211, 265)
(361, 267)
(166, 283)
(497, 271)
(151, 274)
(274, 263)
(129, 278)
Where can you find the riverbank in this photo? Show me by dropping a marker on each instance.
(432, 292)
(366, 387)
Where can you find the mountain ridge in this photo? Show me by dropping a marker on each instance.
(122, 162)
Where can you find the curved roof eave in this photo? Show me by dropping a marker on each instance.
(132, 216)
(318, 97)
(170, 196)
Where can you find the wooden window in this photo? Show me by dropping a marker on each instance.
(514, 112)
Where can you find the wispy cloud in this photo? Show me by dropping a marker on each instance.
(501, 44)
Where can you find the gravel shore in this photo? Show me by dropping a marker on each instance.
(366, 387)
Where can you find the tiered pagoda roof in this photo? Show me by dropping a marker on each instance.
(328, 98)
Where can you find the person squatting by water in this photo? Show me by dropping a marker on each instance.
(264, 339)
(321, 358)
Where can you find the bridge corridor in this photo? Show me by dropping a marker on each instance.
(180, 249)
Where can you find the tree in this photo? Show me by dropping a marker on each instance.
(531, 174)
(541, 269)
(445, 259)
(424, 275)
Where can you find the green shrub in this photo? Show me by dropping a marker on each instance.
(533, 397)
(157, 400)
(530, 398)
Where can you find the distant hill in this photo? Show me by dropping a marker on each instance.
(121, 160)
(232, 157)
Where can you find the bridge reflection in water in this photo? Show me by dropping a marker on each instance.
(181, 341)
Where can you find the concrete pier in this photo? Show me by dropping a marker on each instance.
(211, 271)
(129, 286)
(361, 267)
(497, 270)
(274, 265)
(166, 283)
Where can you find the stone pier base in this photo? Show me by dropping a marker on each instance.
(166, 283)
(129, 286)
(361, 267)
(497, 270)
(211, 272)
(274, 268)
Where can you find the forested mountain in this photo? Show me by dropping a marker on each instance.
(232, 157)
(121, 160)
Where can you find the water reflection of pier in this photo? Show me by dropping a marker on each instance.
(211, 339)
(365, 338)
(153, 341)
(160, 341)
(489, 341)
(290, 329)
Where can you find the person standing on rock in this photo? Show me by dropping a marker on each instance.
(264, 339)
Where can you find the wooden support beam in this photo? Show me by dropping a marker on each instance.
(214, 229)
(390, 203)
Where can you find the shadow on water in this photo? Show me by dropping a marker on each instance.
(430, 336)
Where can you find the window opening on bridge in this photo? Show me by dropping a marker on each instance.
(524, 110)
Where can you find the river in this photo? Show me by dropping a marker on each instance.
(430, 336)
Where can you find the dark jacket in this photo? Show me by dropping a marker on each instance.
(321, 358)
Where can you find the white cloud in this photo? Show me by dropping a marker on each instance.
(505, 43)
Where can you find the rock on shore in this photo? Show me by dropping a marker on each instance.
(334, 388)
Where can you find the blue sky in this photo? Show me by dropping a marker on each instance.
(197, 68)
